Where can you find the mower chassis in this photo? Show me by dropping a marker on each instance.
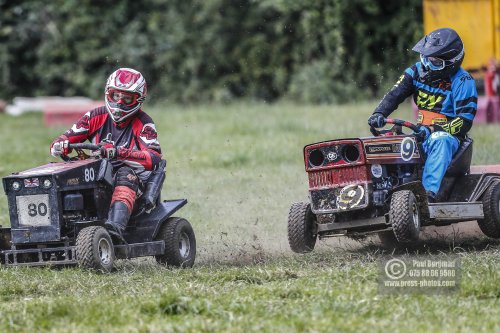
(63, 253)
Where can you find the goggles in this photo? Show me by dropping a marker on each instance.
(122, 97)
(437, 64)
(432, 63)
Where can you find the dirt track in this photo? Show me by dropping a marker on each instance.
(460, 230)
(459, 236)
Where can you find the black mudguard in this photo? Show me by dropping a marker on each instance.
(5, 238)
(145, 227)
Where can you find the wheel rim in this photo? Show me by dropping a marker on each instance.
(184, 245)
(104, 251)
(415, 216)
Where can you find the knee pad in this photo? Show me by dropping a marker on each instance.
(125, 176)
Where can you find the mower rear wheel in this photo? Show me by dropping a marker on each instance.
(404, 216)
(94, 249)
(180, 243)
(490, 225)
(301, 228)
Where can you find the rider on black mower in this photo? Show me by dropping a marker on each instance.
(127, 137)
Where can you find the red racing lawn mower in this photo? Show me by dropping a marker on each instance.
(373, 185)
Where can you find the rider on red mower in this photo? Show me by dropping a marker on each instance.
(446, 97)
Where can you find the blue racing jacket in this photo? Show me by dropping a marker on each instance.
(448, 104)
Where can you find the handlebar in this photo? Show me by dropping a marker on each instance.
(89, 146)
(397, 122)
(402, 123)
(78, 147)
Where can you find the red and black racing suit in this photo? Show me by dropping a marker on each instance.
(138, 149)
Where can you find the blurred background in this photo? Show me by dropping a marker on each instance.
(319, 51)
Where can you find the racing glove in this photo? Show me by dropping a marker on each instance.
(108, 150)
(376, 120)
(423, 133)
(60, 148)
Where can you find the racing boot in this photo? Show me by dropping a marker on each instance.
(117, 219)
(431, 197)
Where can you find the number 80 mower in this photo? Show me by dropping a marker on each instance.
(57, 214)
(373, 185)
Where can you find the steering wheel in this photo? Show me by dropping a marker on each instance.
(396, 129)
(80, 154)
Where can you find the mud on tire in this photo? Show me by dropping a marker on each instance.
(404, 216)
(180, 243)
(490, 225)
(301, 228)
(94, 249)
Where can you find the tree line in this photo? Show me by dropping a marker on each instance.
(314, 51)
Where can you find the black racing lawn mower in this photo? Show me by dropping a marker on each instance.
(57, 214)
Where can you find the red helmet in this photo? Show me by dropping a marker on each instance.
(125, 92)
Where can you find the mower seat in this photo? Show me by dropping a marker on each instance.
(152, 192)
(460, 165)
(153, 186)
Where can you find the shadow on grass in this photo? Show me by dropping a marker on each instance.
(444, 240)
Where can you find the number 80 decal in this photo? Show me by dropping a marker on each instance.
(89, 175)
(407, 149)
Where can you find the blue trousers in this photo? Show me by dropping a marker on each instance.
(439, 148)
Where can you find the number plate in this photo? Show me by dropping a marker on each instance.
(33, 210)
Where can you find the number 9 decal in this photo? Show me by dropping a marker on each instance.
(407, 149)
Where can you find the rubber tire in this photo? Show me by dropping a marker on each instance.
(171, 232)
(402, 212)
(490, 225)
(87, 248)
(301, 225)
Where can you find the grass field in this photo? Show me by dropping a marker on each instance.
(240, 166)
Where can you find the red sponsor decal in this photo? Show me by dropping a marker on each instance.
(149, 133)
(83, 122)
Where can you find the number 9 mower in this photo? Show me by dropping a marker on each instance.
(373, 185)
(58, 210)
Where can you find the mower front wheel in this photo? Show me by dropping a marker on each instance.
(404, 216)
(301, 228)
(94, 249)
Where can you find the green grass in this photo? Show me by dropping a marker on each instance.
(241, 167)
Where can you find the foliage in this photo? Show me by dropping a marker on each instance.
(312, 51)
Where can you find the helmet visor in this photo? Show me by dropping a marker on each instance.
(122, 97)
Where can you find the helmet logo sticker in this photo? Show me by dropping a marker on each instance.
(125, 79)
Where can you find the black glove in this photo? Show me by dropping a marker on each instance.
(423, 132)
(376, 120)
